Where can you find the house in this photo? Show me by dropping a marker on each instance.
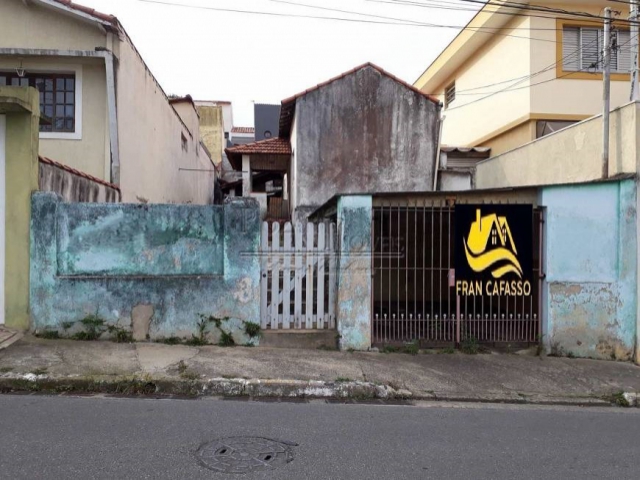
(508, 78)
(102, 112)
(216, 119)
(242, 135)
(265, 118)
(362, 131)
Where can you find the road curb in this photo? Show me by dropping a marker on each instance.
(225, 387)
(147, 385)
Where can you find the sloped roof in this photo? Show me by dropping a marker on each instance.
(105, 17)
(69, 169)
(288, 104)
(270, 146)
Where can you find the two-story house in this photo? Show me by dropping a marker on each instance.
(360, 132)
(512, 75)
(102, 111)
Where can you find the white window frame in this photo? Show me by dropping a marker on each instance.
(77, 71)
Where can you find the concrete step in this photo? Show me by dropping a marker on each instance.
(310, 339)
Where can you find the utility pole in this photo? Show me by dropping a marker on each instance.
(635, 50)
(606, 91)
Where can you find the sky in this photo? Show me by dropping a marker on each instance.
(246, 58)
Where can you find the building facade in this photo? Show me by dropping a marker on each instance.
(102, 111)
(362, 131)
(508, 78)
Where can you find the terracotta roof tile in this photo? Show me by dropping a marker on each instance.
(89, 11)
(270, 146)
(67, 168)
(288, 104)
(273, 146)
(243, 130)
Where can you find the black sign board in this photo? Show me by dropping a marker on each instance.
(493, 249)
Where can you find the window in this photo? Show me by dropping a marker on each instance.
(545, 127)
(57, 98)
(582, 50)
(183, 140)
(449, 94)
(267, 134)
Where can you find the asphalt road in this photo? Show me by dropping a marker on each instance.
(111, 438)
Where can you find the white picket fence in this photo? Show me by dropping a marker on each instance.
(298, 276)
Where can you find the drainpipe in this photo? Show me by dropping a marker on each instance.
(437, 162)
(109, 63)
(606, 91)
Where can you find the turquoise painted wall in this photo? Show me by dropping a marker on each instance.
(354, 274)
(179, 261)
(591, 264)
(108, 239)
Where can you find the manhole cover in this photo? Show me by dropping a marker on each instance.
(244, 454)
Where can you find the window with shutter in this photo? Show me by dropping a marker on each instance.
(590, 42)
(623, 52)
(582, 50)
(570, 49)
(449, 94)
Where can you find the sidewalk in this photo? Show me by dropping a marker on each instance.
(65, 365)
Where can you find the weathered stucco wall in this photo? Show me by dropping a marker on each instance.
(571, 155)
(590, 259)
(360, 134)
(156, 166)
(354, 274)
(172, 263)
(74, 187)
(212, 130)
(21, 110)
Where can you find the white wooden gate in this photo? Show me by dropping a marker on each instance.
(298, 276)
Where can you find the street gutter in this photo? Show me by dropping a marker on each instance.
(147, 385)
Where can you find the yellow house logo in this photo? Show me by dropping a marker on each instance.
(490, 246)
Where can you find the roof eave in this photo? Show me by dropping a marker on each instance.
(461, 48)
(57, 5)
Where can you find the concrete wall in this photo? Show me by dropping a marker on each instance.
(20, 107)
(573, 154)
(591, 269)
(212, 130)
(363, 133)
(150, 139)
(354, 272)
(74, 187)
(162, 264)
(455, 180)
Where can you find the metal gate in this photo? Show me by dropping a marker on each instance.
(414, 294)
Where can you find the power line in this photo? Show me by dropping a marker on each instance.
(461, 8)
(529, 76)
(399, 22)
(567, 14)
(540, 8)
(510, 89)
